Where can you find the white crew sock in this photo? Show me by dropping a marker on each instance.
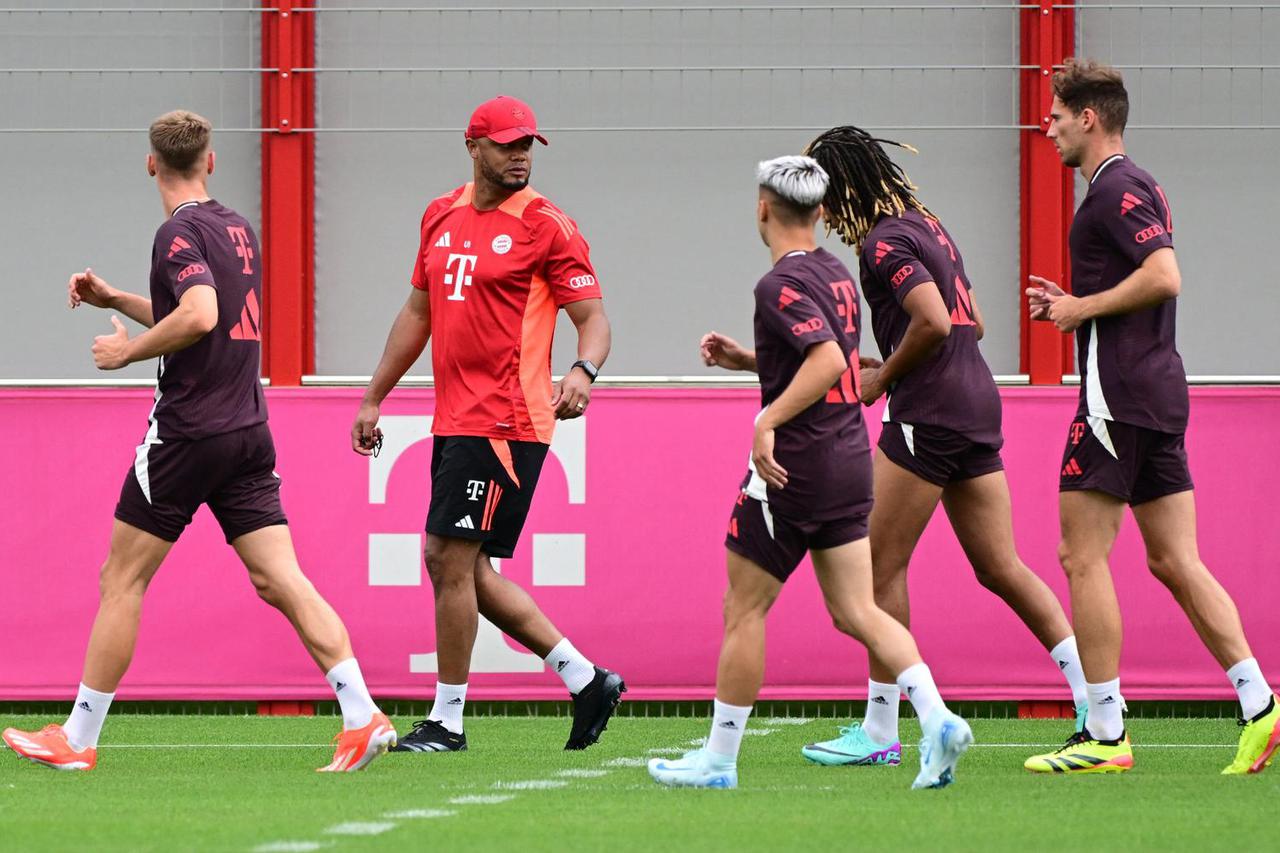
(1251, 687)
(353, 696)
(881, 722)
(87, 716)
(447, 709)
(1067, 657)
(570, 664)
(727, 726)
(917, 682)
(1106, 722)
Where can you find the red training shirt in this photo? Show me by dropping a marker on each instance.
(496, 279)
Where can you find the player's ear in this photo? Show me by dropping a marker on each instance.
(210, 163)
(1088, 118)
(473, 148)
(762, 211)
(151, 165)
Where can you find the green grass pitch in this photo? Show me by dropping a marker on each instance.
(247, 783)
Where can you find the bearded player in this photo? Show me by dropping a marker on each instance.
(1127, 444)
(808, 488)
(496, 262)
(207, 443)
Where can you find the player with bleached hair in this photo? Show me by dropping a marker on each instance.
(808, 487)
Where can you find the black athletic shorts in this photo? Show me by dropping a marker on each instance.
(481, 489)
(777, 544)
(937, 454)
(1133, 463)
(234, 473)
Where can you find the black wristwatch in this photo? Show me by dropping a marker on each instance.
(587, 367)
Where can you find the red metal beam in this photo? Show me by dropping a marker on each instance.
(288, 193)
(1047, 38)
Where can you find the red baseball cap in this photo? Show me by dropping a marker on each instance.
(504, 119)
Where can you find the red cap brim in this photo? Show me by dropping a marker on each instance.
(511, 134)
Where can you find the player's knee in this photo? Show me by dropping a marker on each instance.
(117, 578)
(740, 608)
(851, 620)
(1076, 563)
(1172, 570)
(994, 576)
(442, 568)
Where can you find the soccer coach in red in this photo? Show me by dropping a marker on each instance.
(495, 264)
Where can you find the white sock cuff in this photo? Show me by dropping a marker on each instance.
(735, 711)
(89, 693)
(1236, 670)
(342, 667)
(1102, 687)
(880, 688)
(1066, 648)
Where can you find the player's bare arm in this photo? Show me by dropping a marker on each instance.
(823, 364)
(980, 326)
(571, 394)
(929, 327)
(1156, 281)
(89, 288)
(195, 316)
(405, 342)
(719, 350)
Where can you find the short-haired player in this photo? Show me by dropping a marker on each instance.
(808, 488)
(1127, 442)
(207, 443)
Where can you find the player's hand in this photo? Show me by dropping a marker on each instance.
(867, 361)
(872, 386)
(365, 435)
(88, 287)
(762, 457)
(719, 350)
(1039, 296)
(571, 395)
(110, 352)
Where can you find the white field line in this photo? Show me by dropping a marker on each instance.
(290, 846)
(758, 732)
(420, 814)
(531, 785)
(360, 828)
(660, 750)
(626, 762)
(581, 773)
(481, 799)
(786, 721)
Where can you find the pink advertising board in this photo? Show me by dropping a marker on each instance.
(623, 549)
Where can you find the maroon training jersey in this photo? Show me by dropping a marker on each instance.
(1130, 370)
(212, 386)
(953, 388)
(808, 298)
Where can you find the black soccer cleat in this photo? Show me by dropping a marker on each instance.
(431, 736)
(593, 705)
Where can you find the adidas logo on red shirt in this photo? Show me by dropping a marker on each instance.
(882, 249)
(443, 242)
(1128, 202)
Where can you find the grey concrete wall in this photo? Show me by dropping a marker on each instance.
(668, 203)
(71, 200)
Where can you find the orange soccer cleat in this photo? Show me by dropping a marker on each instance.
(358, 747)
(49, 747)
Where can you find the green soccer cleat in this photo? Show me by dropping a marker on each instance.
(1083, 753)
(853, 747)
(1258, 742)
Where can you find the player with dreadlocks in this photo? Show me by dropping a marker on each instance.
(941, 437)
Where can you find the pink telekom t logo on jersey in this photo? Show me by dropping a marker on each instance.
(241, 238)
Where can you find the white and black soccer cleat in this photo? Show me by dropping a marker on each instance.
(593, 705)
(431, 736)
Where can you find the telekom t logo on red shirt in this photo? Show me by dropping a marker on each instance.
(461, 277)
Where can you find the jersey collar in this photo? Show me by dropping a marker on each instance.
(1104, 164)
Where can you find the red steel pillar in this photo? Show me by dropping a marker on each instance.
(1047, 38)
(288, 192)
